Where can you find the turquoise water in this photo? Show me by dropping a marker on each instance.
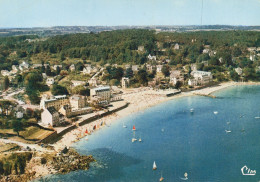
(179, 141)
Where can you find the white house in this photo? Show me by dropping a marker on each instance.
(151, 57)
(176, 46)
(72, 67)
(15, 69)
(5, 73)
(125, 82)
(50, 117)
(50, 81)
(239, 71)
(205, 51)
(159, 68)
(23, 66)
(19, 115)
(135, 67)
(201, 77)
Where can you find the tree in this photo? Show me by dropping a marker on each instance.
(178, 84)
(48, 71)
(17, 126)
(33, 85)
(129, 73)
(166, 70)
(57, 70)
(6, 83)
(142, 77)
(234, 76)
(59, 90)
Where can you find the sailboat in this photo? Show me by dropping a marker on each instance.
(140, 139)
(228, 131)
(185, 176)
(124, 126)
(154, 166)
(257, 117)
(215, 112)
(134, 139)
(191, 110)
(134, 128)
(161, 179)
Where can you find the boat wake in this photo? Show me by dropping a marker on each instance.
(184, 179)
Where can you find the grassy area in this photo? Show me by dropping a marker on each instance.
(35, 133)
(5, 147)
(7, 131)
(30, 133)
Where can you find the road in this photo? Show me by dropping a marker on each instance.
(25, 145)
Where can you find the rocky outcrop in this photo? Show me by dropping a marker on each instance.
(42, 164)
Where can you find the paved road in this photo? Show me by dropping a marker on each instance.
(24, 145)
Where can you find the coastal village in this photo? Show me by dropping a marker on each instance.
(48, 106)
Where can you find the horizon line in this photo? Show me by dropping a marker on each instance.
(127, 26)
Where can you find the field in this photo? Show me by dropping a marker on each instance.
(30, 133)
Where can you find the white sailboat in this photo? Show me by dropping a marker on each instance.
(134, 139)
(124, 126)
(154, 166)
(215, 112)
(228, 131)
(140, 139)
(191, 110)
(185, 176)
(257, 117)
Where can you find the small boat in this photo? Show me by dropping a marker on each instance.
(154, 166)
(134, 139)
(215, 112)
(161, 179)
(257, 117)
(191, 110)
(140, 139)
(124, 126)
(134, 128)
(185, 176)
(228, 131)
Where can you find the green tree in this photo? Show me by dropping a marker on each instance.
(6, 83)
(59, 90)
(17, 126)
(142, 77)
(234, 76)
(166, 70)
(129, 73)
(58, 70)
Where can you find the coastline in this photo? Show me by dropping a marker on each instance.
(138, 100)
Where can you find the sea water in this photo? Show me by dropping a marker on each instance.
(179, 141)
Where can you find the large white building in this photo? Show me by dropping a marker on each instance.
(200, 78)
(50, 116)
(102, 94)
(55, 101)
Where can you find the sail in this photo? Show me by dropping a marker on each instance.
(134, 127)
(154, 165)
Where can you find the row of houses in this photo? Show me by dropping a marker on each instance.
(57, 109)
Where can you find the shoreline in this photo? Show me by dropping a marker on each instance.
(139, 100)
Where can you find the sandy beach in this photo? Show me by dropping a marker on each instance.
(138, 99)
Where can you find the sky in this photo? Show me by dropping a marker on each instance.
(46, 13)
